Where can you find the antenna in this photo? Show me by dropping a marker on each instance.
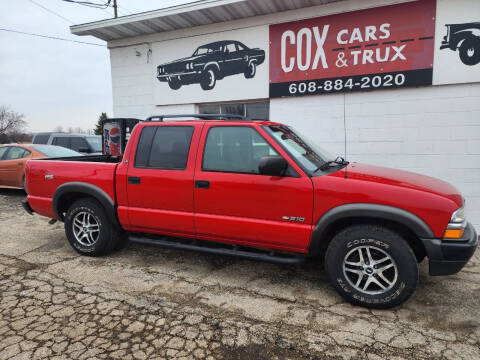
(345, 129)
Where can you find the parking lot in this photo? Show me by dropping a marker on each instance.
(144, 302)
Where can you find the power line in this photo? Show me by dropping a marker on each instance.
(91, 4)
(50, 37)
(52, 12)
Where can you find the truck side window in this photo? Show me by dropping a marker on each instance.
(164, 147)
(234, 149)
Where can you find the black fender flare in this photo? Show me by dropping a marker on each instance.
(90, 190)
(366, 210)
(460, 37)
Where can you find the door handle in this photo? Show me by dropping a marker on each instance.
(202, 184)
(134, 180)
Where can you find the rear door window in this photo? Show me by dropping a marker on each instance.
(164, 147)
(78, 143)
(16, 153)
(61, 141)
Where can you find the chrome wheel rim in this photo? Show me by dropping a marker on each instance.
(252, 69)
(370, 270)
(211, 78)
(86, 228)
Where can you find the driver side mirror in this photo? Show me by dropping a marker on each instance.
(273, 165)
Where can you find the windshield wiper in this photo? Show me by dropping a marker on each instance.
(337, 162)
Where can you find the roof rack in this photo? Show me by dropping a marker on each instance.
(199, 116)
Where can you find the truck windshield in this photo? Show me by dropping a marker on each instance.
(95, 142)
(308, 155)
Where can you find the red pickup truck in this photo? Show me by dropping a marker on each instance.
(260, 190)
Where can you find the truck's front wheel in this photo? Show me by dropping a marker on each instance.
(372, 266)
(88, 229)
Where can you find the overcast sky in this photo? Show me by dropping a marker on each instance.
(58, 83)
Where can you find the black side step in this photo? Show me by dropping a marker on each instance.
(218, 250)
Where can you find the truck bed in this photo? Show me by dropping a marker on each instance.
(45, 176)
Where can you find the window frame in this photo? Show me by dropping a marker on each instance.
(151, 145)
(292, 171)
(244, 104)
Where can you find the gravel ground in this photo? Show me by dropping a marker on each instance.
(144, 302)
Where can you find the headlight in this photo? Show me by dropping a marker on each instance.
(456, 226)
(459, 215)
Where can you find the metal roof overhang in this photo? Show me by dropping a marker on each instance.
(189, 15)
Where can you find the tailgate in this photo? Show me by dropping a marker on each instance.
(43, 177)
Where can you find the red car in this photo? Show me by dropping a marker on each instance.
(13, 158)
(260, 190)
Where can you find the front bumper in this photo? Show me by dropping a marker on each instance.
(181, 76)
(449, 257)
(445, 45)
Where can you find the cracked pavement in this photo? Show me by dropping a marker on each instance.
(152, 303)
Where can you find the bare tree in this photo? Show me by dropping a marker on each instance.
(11, 121)
(58, 129)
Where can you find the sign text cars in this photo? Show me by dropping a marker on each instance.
(385, 47)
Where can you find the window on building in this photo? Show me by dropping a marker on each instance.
(164, 147)
(234, 149)
(253, 110)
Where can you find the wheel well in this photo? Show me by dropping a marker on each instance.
(412, 239)
(68, 199)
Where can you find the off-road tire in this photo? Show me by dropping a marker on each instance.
(470, 51)
(109, 237)
(208, 79)
(356, 238)
(250, 71)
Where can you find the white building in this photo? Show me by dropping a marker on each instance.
(370, 71)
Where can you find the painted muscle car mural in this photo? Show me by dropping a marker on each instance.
(465, 38)
(212, 62)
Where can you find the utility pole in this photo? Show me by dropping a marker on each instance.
(115, 8)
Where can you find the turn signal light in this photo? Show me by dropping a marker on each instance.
(453, 233)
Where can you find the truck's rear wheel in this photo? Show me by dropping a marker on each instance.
(470, 51)
(89, 230)
(372, 266)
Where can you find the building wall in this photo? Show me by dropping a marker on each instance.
(429, 130)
